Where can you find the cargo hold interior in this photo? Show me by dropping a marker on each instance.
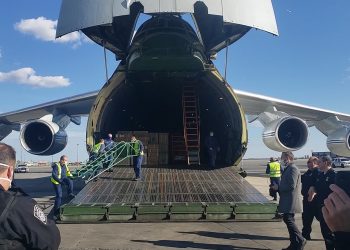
(156, 106)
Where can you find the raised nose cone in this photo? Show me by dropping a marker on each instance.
(166, 43)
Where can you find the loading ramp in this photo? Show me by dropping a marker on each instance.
(168, 193)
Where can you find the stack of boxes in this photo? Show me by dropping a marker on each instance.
(153, 149)
(156, 146)
(163, 156)
(126, 137)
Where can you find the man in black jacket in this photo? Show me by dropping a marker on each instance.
(309, 208)
(319, 192)
(23, 225)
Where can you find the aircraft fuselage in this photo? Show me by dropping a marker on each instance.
(145, 92)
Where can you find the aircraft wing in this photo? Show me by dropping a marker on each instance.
(257, 107)
(325, 120)
(253, 105)
(73, 107)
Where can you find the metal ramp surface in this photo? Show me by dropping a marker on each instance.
(168, 193)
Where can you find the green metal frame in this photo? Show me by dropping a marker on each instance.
(239, 211)
(92, 169)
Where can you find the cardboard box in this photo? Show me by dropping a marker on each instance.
(153, 138)
(145, 160)
(163, 158)
(152, 154)
(163, 138)
(123, 136)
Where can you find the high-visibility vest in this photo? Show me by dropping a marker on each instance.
(68, 173)
(136, 147)
(275, 169)
(97, 147)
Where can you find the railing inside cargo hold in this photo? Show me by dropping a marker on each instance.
(105, 161)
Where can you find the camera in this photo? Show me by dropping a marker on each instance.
(342, 180)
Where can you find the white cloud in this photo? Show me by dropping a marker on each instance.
(28, 76)
(86, 39)
(45, 30)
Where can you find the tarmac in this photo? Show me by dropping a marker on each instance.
(172, 235)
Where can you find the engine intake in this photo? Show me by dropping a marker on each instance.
(42, 137)
(338, 142)
(286, 134)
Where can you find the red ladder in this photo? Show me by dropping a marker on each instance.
(191, 124)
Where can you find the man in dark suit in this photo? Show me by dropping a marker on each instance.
(319, 191)
(309, 208)
(290, 200)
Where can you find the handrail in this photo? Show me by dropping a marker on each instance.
(116, 154)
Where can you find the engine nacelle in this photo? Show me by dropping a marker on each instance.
(286, 134)
(338, 142)
(42, 137)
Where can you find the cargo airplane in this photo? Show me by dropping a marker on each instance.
(165, 65)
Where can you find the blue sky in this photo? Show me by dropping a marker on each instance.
(308, 63)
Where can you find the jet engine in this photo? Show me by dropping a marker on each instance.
(285, 134)
(338, 141)
(42, 137)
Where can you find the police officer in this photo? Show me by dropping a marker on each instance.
(23, 225)
(138, 148)
(273, 168)
(61, 175)
(309, 208)
(319, 192)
